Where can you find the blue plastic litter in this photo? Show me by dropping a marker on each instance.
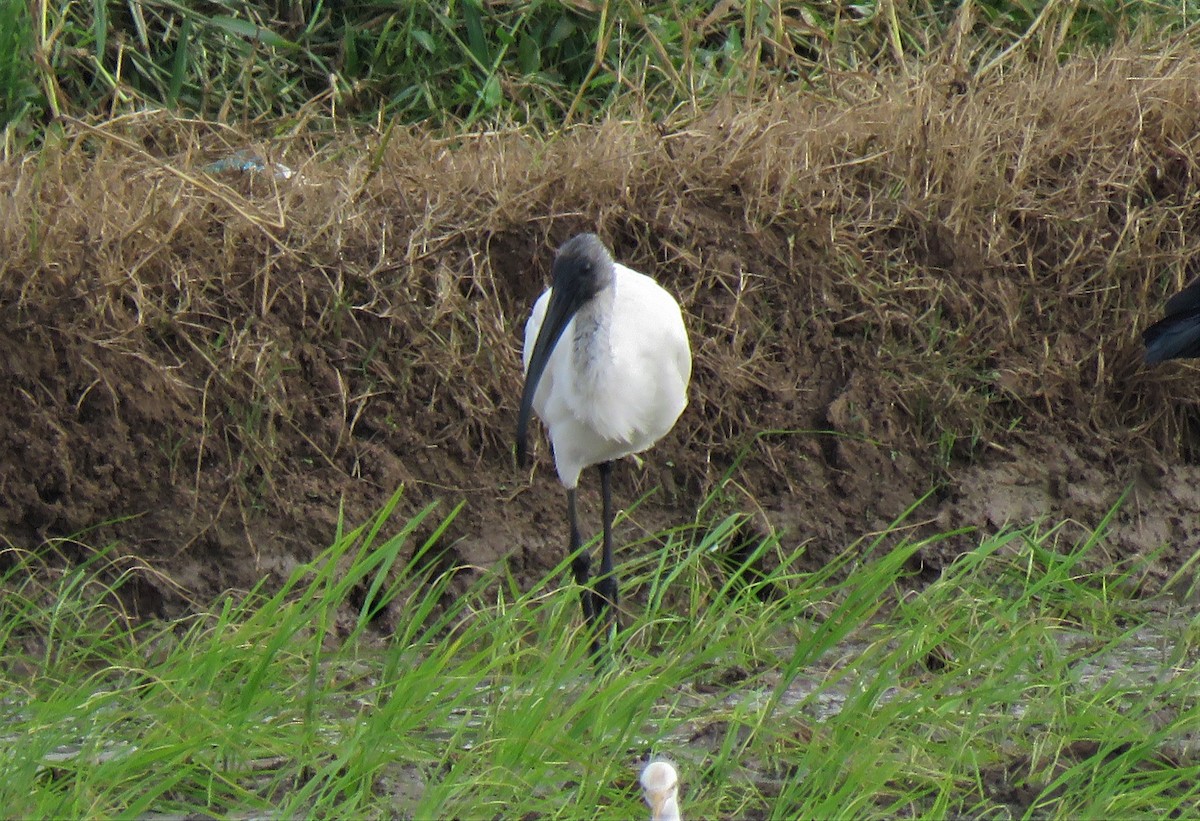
(249, 163)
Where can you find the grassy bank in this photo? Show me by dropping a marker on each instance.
(285, 64)
(1015, 686)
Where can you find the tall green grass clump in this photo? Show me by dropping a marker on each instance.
(1019, 684)
(18, 88)
(541, 62)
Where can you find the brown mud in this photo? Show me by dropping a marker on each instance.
(906, 287)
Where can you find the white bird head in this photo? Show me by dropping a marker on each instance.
(660, 788)
(583, 267)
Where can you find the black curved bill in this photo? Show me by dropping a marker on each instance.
(566, 299)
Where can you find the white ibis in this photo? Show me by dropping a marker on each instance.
(660, 788)
(614, 387)
(1177, 335)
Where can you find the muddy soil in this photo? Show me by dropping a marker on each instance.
(892, 297)
(96, 451)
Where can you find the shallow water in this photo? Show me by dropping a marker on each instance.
(1128, 670)
(1135, 666)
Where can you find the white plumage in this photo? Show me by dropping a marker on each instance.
(621, 383)
(660, 788)
(607, 365)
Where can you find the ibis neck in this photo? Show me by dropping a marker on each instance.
(669, 810)
(591, 339)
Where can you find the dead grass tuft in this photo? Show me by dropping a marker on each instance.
(938, 269)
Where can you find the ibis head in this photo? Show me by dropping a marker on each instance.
(582, 269)
(660, 787)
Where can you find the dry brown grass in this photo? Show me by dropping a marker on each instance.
(947, 267)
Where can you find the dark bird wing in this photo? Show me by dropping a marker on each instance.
(1177, 335)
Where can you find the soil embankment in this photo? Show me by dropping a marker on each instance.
(929, 284)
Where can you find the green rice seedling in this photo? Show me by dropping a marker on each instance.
(980, 694)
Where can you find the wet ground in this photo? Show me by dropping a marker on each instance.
(1147, 662)
(892, 297)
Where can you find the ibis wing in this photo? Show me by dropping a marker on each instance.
(1186, 300)
(540, 339)
(534, 324)
(1175, 337)
(641, 390)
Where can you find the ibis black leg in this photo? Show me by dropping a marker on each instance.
(580, 567)
(581, 563)
(606, 584)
